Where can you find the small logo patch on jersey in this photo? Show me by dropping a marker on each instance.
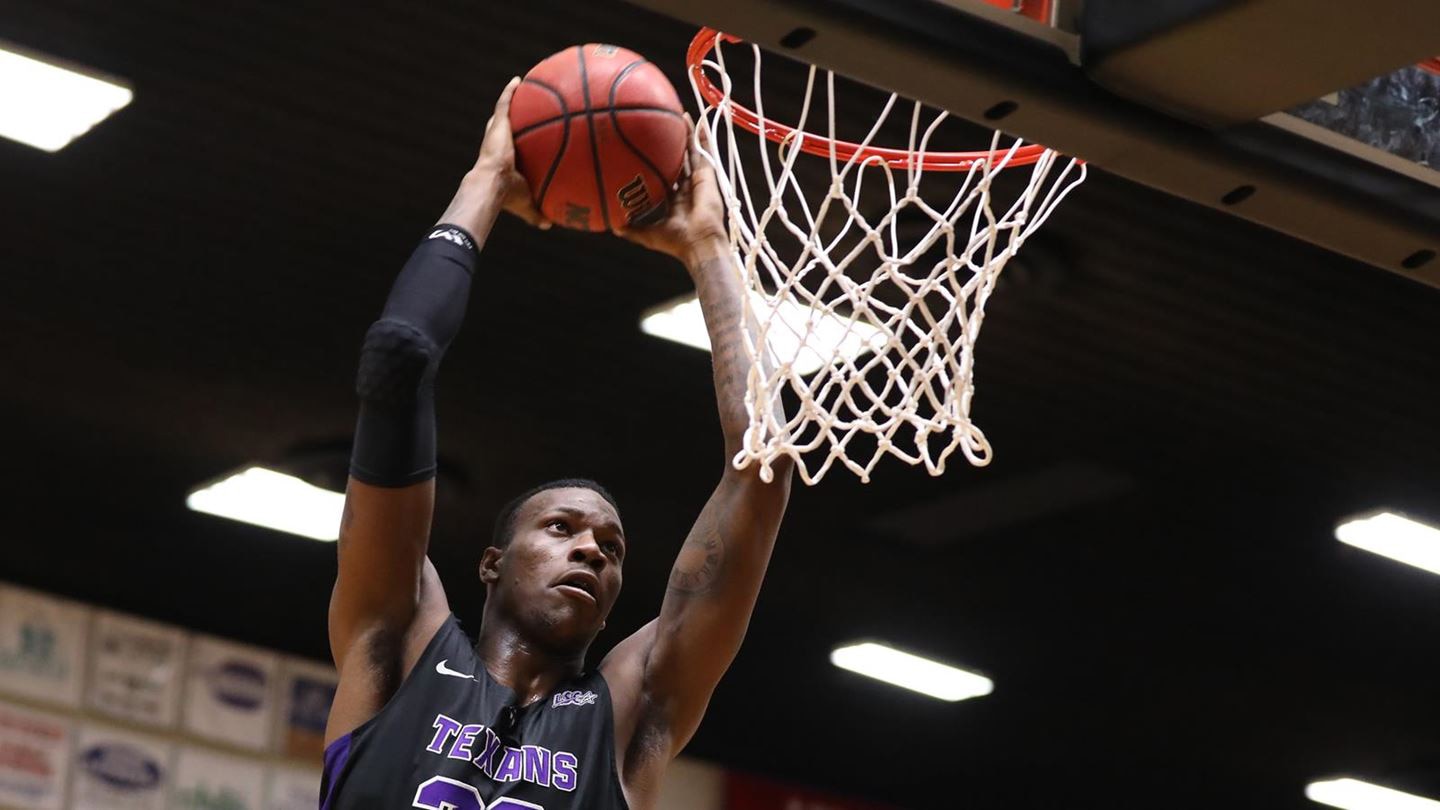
(444, 670)
(573, 699)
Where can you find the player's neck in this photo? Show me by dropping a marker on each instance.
(531, 671)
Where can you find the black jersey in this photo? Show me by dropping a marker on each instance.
(453, 737)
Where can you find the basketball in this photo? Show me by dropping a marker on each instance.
(600, 137)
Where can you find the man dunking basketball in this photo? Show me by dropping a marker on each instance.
(424, 719)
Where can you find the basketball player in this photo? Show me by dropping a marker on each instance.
(424, 719)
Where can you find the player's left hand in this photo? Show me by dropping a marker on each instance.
(496, 164)
(696, 219)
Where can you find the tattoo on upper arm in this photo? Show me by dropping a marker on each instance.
(698, 567)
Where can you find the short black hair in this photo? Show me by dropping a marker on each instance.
(505, 521)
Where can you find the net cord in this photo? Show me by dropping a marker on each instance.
(911, 385)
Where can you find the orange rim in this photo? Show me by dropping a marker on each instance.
(820, 145)
(1432, 65)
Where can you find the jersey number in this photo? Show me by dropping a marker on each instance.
(440, 793)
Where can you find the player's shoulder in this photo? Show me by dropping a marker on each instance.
(623, 671)
(439, 638)
(624, 665)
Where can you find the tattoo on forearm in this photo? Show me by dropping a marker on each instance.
(720, 300)
(697, 569)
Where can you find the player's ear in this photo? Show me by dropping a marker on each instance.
(490, 565)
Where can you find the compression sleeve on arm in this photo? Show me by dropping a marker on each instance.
(395, 434)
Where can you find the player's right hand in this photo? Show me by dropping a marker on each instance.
(496, 163)
(696, 219)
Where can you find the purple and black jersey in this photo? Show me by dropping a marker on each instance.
(453, 737)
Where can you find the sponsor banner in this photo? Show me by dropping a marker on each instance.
(135, 669)
(34, 759)
(306, 691)
(206, 780)
(747, 792)
(292, 789)
(42, 646)
(230, 692)
(116, 770)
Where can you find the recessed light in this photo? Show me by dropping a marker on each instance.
(264, 497)
(46, 105)
(910, 671)
(1394, 536)
(1353, 794)
(826, 335)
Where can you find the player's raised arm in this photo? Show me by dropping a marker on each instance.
(386, 593)
(679, 658)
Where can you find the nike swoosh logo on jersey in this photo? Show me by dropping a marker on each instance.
(444, 670)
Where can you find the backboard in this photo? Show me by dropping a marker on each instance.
(1276, 112)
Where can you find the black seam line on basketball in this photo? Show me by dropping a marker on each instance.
(548, 121)
(564, 141)
(594, 147)
(615, 122)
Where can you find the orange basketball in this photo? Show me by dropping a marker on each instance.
(600, 136)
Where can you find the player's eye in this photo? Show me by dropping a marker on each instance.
(612, 548)
(559, 525)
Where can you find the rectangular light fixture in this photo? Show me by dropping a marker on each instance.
(1393, 536)
(45, 105)
(274, 500)
(911, 672)
(1353, 794)
(829, 335)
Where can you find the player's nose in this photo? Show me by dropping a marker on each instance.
(587, 550)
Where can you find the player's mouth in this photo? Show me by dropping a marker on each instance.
(581, 584)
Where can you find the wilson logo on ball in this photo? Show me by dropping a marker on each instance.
(634, 197)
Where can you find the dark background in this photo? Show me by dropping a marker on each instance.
(1182, 406)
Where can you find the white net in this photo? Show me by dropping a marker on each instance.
(869, 298)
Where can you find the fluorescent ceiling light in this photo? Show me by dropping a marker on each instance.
(273, 500)
(1352, 794)
(1395, 537)
(47, 106)
(829, 334)
(911, 671)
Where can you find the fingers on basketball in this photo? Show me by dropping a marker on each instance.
(502, 105)
(699, 162)
(534, 217)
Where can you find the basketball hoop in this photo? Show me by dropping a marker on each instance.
(705, 42)
(867, 320)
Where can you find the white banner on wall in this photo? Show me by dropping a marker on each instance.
(292, 789)
(306, 691)
(42, 646)
(206, 780)
(230, 692)
(135, 668)
(34, 759)
(117, 770)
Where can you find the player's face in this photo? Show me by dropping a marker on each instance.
(563, 565)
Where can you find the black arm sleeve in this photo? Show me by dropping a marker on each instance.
(395, 435)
